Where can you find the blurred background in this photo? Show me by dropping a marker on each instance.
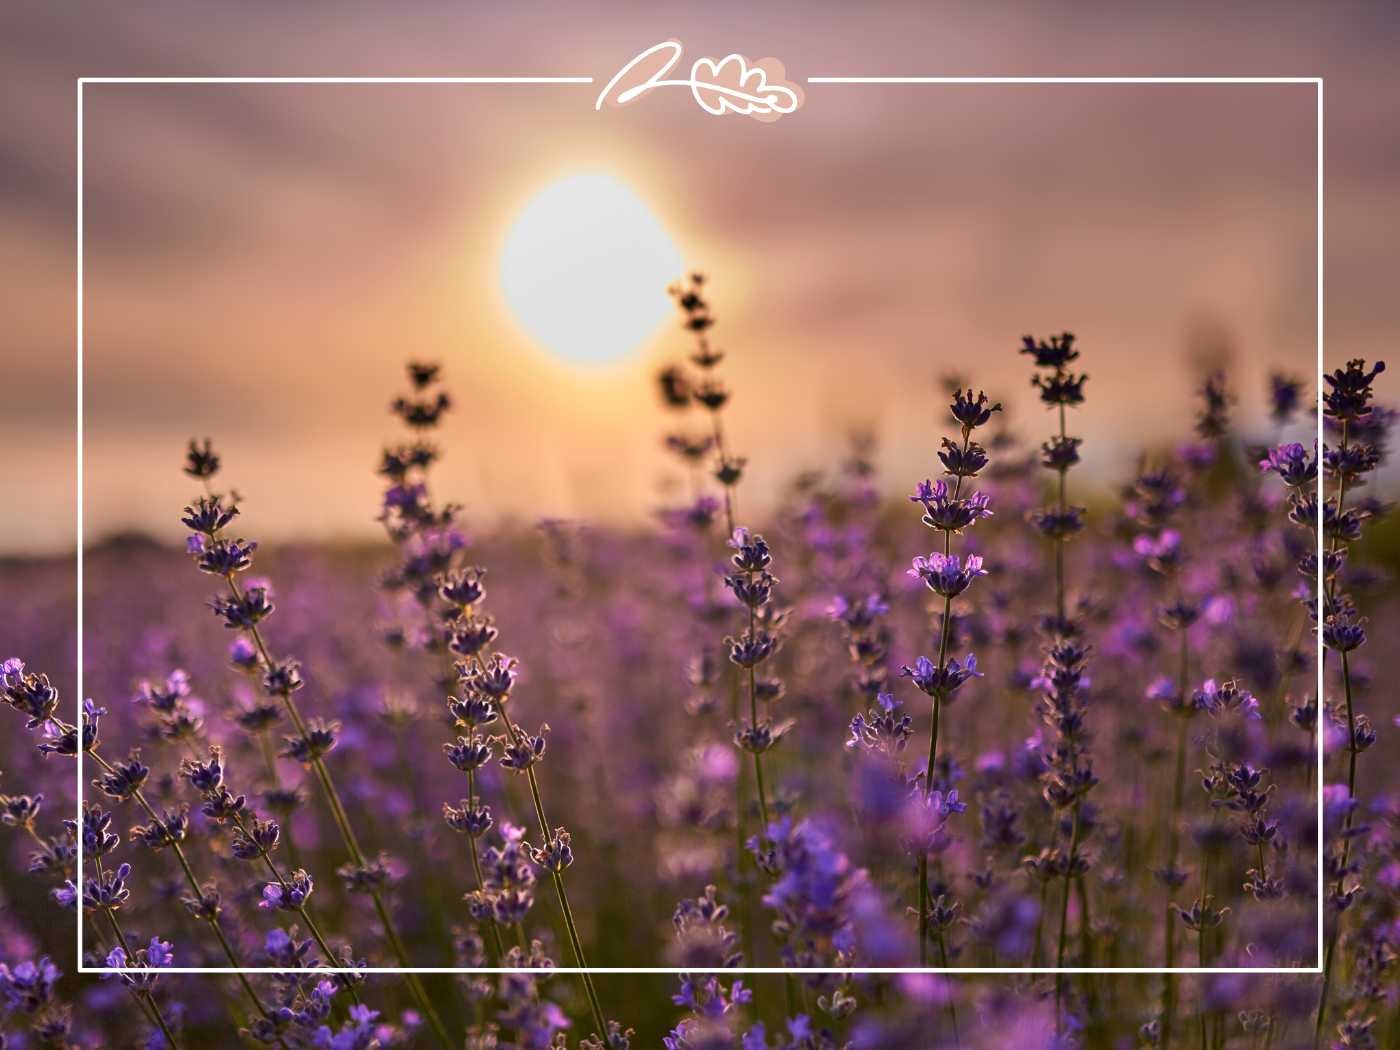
(260, 259)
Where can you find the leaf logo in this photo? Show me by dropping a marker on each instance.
(731, 84)
(719, 86)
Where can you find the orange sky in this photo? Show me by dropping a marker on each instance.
(261, 258)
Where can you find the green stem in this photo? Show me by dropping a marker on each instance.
(1351, 778)
(952, 999)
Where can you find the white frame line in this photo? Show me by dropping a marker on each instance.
(1320, 756)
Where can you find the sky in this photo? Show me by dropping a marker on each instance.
(261, 259)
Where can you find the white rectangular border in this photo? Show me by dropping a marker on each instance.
(1316, 81)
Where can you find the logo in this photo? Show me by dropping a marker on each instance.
(731, 84)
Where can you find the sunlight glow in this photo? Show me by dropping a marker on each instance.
(585, 269)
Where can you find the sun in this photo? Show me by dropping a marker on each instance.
(585, 269)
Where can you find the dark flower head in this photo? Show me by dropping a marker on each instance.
(1180, 614)
(221, 805)
(283, 679)
(423, 373)
(1061, 388)
(256, 716)
(712, 394)
(756, 739)
(1202, 915)
(1292, 463)
(256, 840)
(166, 830)
(221, 557)
(945, 575)
(468, 818)
(524, 750)
(1349, 394)
(753, 590)
(751, 553)
(730, 470)
(32, 695)
(98, 837)
(289, 897)
(1285, 393)
(962, 461)
(972, 412)
(885, 728)
(1060, 453)
(1055, 352)
(1344, 632)
(690, 448)
(205, 905)
(164, 696)
(244, 656)
(373, 876)
(1058, 524)
(463, 587)
(468, 755)
(1220, 698)
(860, 613)
(470, 637)
(495, 678)
(941, 681)
(208, 515)
(474, 710)
(751, 649)
(28, 987)
(421, 414)
(140, 969)
(62, 739)
(245, 610)
(945, 513)
(320, 739)
(1351, 461)
(556, 854)
(123, 779)
(1213, 422)
(201, 460)
(674, 387)
(108, 891)
(205, 776)
(1162, 552)
(20, 811)
(284, 800)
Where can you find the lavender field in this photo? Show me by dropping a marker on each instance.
(1029, 716)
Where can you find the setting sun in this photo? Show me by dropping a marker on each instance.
(585, 269)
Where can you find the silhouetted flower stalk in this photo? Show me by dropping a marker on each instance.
(428, 542)
(1069, 773)
(1347, 406)
(947, 513)
(709, 390)
(486, 681)
(753, 585)
(217, 555)
(1154, 500)
(711, 393)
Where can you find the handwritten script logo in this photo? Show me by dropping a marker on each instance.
(728, 85)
